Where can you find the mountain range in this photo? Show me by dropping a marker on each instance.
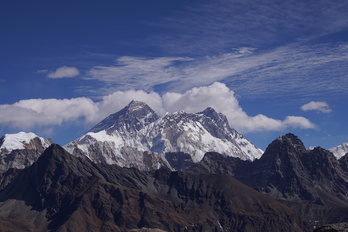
(61, 192)
(137, 171)
(137, 137)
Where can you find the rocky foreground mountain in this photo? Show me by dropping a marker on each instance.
(21, 150)
(137, 137)
(61, 192)
(311, 182)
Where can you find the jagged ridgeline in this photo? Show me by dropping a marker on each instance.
(61, 192)
(313, 183)
(137, 137)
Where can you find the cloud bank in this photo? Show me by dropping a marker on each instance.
(316, 106)
(64, 72)
(52, 112)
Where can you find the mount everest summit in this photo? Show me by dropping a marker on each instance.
(137, 137)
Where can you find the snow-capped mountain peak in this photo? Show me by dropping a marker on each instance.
(340, 150)
(124, 137)
(20, 150)
(133, 117)
(21, 140)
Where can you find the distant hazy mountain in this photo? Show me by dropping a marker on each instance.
(340, 150)
(20, 150)
(137, 137)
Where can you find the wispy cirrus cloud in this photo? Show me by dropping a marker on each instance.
(139, 72)
(63, 72)
(221, 25)
(316, 106)
(291, 70)
(45, 70)
(259, 49)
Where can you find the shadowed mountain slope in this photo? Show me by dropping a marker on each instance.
(63, 193)
(312, 182)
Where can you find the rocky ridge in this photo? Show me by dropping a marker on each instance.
(61, 192)
(311, 182)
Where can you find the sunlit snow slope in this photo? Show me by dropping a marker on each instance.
(21, 150)
(137, 136)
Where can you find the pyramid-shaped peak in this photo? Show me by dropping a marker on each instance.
(53, 155)
(138, 109)
(135, 115)
(288, 140)
(134, 105)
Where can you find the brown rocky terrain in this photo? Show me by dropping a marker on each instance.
(63, 193)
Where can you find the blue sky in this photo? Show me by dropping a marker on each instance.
(271, 66)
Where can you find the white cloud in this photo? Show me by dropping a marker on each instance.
(27, 114)
(51, 112)
(298, 122)
(47, 112)
(316, 106)
(222, 99)
(64, 72)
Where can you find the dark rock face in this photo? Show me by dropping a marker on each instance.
(344, 162)
(214, 162)
(179, 160)
(311, 182)
(339, 227)
(220, 120)
(288, 171)
(63, 193)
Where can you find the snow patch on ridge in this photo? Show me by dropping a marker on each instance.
(340, 150)
(18, 141)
